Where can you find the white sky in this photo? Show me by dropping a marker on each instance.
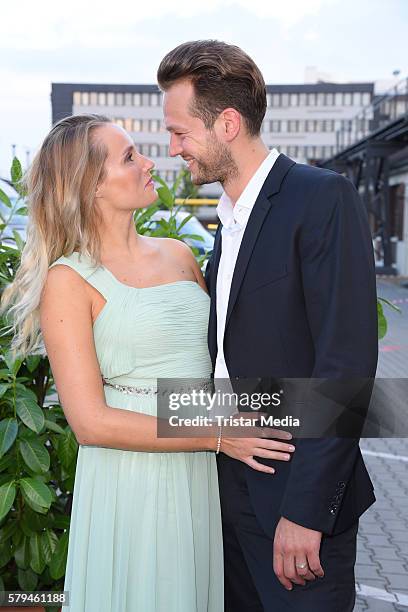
(123, 42)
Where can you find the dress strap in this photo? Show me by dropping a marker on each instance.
(96, 276)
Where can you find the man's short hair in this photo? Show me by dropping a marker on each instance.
(223, 76)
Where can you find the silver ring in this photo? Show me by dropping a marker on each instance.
(301, 565)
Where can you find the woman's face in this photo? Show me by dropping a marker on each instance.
(127, 182)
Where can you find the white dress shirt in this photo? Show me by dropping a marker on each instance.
(234, 220)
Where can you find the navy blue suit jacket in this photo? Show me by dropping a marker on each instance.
(303, 304)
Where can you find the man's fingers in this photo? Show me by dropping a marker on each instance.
(314, 564)
(302, 568)
(259, 467)
(290, 570)
(270, 432)
(278, 569)
(269, 454)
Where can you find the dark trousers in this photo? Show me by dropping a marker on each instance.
(250, 582)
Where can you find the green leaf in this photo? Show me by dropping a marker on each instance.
(32, 522)
(61, 521)
(37, 561)
(13, 363)
(8, 433)
(3, 388)
(2, 587)
(49, 541)
(5, 199)
(382, 321)
(36, 493)
(30, 413)
(7, 496)
(166, 196)
(53, 426)
(8, 530)
(59, 558)
(6, 553)
(35, 455)
(67, 449)
(27, 579)
(32, 362)
(16, 171)
(6, 461)
(390, 304)
(22, 553)
(18, 240)
(22, 211)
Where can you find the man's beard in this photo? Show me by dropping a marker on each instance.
(217, 167)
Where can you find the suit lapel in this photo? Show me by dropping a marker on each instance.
(212, 324)
(261, 208)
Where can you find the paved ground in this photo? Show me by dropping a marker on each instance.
(382, 558)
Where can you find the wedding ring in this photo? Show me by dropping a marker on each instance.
(301, 565)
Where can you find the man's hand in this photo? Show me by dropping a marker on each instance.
(296, 554)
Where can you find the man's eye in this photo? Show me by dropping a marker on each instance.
(129, 157)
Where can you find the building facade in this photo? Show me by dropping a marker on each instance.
(301, 120)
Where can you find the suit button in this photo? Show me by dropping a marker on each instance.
(341, 485)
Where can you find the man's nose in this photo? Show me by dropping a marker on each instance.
(174, 147)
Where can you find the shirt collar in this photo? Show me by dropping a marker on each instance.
(233, 216)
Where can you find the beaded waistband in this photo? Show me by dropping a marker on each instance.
(129, 390)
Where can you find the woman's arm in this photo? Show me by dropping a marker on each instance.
(66, 323)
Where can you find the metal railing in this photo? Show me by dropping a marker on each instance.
(383, 110)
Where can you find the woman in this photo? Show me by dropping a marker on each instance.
(117, 311)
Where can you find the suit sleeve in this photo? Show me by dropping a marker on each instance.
(339, 285)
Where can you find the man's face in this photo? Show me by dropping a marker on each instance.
(208, 158)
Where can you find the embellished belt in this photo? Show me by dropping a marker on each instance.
(129, 390)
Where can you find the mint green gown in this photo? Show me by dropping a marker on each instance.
(145, 531)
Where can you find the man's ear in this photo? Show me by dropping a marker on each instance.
(230, 123)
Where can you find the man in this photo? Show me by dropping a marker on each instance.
(293, 294)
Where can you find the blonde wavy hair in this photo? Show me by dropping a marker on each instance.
(62, 217)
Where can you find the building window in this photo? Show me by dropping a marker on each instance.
(292, 125)
(119, 99)
(275, 125)
(164, 151)
(269, 99)
(129, 124)
(329, 99)
(136, 99)
(154, 99)
(137, 125)
(144, 149)
(85, 98)
(284, 125)
(111, 99)
(119, 121)
(145, 125)
(145, 99)
(154, 125)
(292, 151)
(321, 99)
(310, 125)
(311, 99)
(93, 98)
(102, 98)
(339, 99)
(365, 99)
(77, 97)
(302, 99)
(285, 99)
(128, 99)
(154, 150)
(329, 125)
(276, 100)
(302, 125)
(348, 99)
(294, 99)
(283, 149)
(320, 125)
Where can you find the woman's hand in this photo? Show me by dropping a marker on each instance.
(261, 445)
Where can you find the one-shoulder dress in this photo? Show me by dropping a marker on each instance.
(145, 533)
